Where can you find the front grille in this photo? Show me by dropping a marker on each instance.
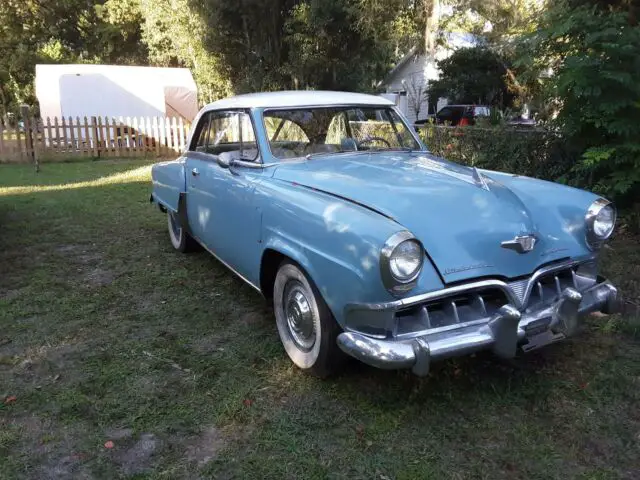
(460, 308)
(547, 288)
(519, 288)
(533, 293)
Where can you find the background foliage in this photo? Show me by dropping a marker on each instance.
(534, 152)
(574, 62)
(475, 75)
(591, 53)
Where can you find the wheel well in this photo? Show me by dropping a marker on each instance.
(271, 260)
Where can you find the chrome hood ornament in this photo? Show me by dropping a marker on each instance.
(478, 179)
(521, 243)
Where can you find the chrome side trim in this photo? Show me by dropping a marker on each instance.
(246, 280)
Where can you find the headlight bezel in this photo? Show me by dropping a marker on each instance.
(594, 241)
(393, 283)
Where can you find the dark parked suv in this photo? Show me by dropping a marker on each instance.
(459, 115)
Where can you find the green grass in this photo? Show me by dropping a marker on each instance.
(107, 334)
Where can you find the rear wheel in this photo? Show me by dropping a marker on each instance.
(180, 239)
(306, 326)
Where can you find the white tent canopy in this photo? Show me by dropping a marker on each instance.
(115, 91)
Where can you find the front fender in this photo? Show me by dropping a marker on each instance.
(168, 183)
(337, 243)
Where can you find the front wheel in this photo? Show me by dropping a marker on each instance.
(306, 326)
(180, 239)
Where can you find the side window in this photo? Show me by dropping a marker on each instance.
(232, 132)
(445, 112)
(203, 129)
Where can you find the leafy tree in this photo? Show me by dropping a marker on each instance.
(496, 22)
(328, 50)
(589, 54)
(275, 44)
(473, 75)
(175, 36)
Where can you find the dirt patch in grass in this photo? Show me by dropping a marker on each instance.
(208, 445)
(53, 451)
(99, 277)
(89, 264)
(136, 458)
(7, 294)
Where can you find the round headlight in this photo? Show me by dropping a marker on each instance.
(401, 260)
(600, 221)
(406, 260)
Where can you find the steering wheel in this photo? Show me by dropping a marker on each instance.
(371, 139)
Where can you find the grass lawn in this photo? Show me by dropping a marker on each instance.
(108, 335)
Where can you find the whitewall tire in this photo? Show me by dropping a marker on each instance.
(305, 324)
(180, 238)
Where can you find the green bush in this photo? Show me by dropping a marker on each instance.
(586, 58)
(534, 153)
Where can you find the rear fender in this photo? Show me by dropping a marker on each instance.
(169, 184)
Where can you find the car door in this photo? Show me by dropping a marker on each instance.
(220, 199)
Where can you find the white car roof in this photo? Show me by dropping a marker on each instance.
(298, 98)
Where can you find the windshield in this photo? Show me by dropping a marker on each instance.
(299, 132)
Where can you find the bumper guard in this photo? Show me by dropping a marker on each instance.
(502, 333)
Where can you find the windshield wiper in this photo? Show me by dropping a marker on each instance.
(390, 149)
(315, 154)
(400, 149)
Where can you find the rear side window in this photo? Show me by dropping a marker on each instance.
(481, 111)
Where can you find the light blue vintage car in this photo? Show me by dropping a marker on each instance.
(331, 207)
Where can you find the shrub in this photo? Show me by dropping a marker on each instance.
(590, 53)
(534, 153)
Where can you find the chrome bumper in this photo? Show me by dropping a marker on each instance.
(502, 333)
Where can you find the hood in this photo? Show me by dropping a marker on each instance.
(460, 216)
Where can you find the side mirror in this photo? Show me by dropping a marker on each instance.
(225, 160)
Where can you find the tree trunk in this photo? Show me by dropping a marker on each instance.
(431, 12)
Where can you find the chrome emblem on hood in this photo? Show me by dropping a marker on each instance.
(521, 243)
(479, 179)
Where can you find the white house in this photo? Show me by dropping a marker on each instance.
(407, 83)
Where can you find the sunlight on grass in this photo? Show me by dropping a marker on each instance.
(141, 174)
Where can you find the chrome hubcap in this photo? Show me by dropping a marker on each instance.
(297, 311)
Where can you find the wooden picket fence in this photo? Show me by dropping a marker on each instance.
(35, 139)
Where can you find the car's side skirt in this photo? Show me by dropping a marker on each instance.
(246, 280)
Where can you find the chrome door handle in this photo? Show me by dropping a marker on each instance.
(195, 172)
